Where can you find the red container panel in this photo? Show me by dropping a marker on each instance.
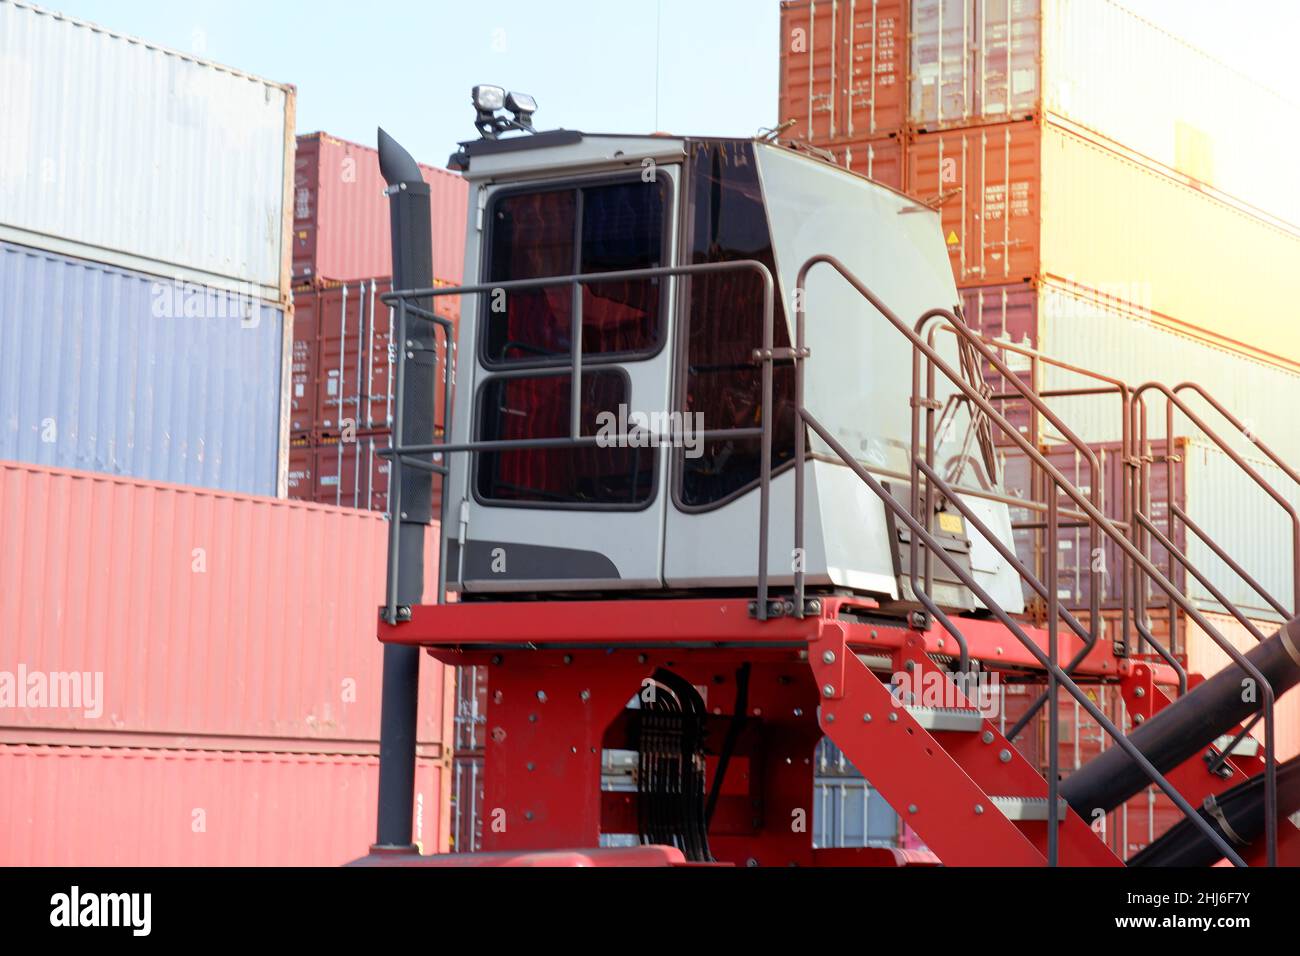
(354, 376)
(302, 470)
(128, 806)
(341, 226)
(843, 72)
(987, 183)
(880, 160)
(205, 613)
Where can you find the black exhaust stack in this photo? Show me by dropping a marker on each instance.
(408, 196)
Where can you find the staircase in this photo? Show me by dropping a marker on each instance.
(948, 772)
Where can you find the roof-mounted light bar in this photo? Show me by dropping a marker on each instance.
(488, 100)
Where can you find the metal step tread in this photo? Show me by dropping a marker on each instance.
(948, 718)
(1028, 808)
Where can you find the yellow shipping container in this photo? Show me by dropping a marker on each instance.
(1041, 200)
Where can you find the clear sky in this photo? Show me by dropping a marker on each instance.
(686, 66)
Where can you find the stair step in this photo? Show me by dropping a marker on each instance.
(1027, 808)
(948, 718)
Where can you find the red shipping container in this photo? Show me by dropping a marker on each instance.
(185, 611)
(301, 470)
(352, 474)
(341, 226)
(843, 73)
(880, 160)
(354, 376)
(302, 382)
(132, 806)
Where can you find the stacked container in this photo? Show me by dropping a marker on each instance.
(199, 676)
(342, 387)
(1109, 196)
(843, 81)
(144, 258)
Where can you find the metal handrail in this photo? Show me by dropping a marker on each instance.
(1172, 401)
(403, 456)
(1056, 675)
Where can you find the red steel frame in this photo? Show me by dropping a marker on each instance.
(557, 700)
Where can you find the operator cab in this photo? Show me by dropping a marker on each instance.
(673, 512)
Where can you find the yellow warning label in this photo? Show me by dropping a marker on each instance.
(952, 238)
(950, 522)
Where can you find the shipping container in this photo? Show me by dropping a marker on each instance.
(471, 709)
(123, 152)
(134, 806)
(351, 474)
(302, 469)
(114, 371)
(197, 613)
(1098, 65)
(843, 68)
(1104, 336)
(880, 160)
(1034, 200)
(347, 329)
(341, 219)
(1224, 501)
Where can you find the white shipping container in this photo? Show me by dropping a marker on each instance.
(1104, 68)
(122, 152)
(1107, 338)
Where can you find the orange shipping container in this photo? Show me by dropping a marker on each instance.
(135, 806)
(184, 611)
(880, 160)
(1035, 199)
(843, 68)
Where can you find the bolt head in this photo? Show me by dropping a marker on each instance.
(1139, 718)
(987, 737)
(585, 695)
(1139, 692)
(912, 808)
(541, 696)
(830, 718)
(979, 809)
(829, 690)
(1004, 755)
(866, 718)
(828, 657)
(528, 814)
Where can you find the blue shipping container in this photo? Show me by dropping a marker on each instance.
(107, 370)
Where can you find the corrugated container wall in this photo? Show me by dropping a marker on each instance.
(113, 371)
(1035, 200)
(1096, 64)
(843, 68)
(1224, 501)
(106, 137)
(207, 614)
(118, 806)
(880, 160)
(340, 218)
(1106, 337)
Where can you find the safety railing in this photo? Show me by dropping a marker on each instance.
(923, 468)
(433, 457)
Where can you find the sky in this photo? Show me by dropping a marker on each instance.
(684, 66)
